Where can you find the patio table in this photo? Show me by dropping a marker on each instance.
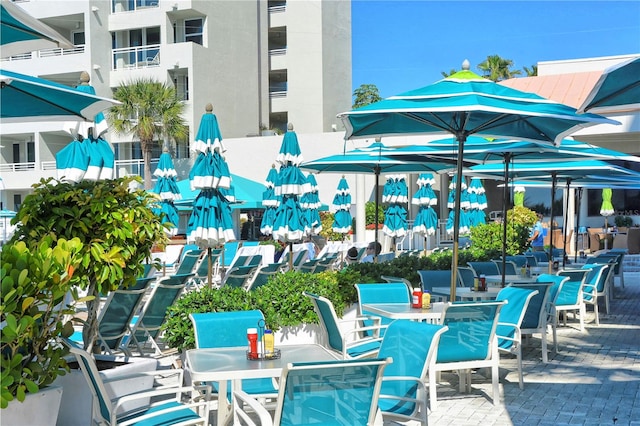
(497, 279)
(231, 364)
(405, 311)
(467, 293)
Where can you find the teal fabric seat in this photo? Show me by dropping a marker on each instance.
(411, 345)
(536, 317)
(484, 268)
(339, 393)
(348, 344)
(597, 283)
(397, 292)
(264, 273)
(469, 343)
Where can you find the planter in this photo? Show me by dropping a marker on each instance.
(77, 400)
(37, 409)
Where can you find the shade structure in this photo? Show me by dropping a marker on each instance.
(617, 89)
(465, 104)
(89, 159)
(426, 220)
(290, 224)
(22, 33)
(341, 206)
(210, 224)
(167, 189)
(25, 98)
(395, 193)
(95, 128)
(270, 202)
(371, 160)
(310, 203)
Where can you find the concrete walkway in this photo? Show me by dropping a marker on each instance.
(593, 380)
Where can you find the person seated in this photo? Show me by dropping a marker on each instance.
(352, 255)
(373, 249)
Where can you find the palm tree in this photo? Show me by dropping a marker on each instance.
(531, 72)
(496, 68)
(151, 111)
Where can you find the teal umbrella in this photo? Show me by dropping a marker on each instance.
(270, 202)
(466, 104)
(310, 204)
(167, 189)
(426, 220)
(617, 89)
(342, 208)
(395, 215)
(21, 33)
(25, 98)
(478, 202)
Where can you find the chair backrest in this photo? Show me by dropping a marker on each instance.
(154, 312)
(434, 278)
(224, 329)
(571, 292)
(510, 267)
(609, 257)
(239, 276)
(531, 259)
(193, 248)
(557, 281)
(512, 313)
(597, 276)
(229, 253)
(484, 268)
(389, 292)
(541, 256)
(411, 345)
(328, 320)
(477, 319)
(118, 312)
(264, 273)
(188, 262)
(202, 270)
(520, 260)
(391, 279)
(535, 317)
(330, 392)
(465, 276)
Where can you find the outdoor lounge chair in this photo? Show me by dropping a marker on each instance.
(240, 276)
(263, 274)
(536, 317)
(510, 267)
(509, 321)
(469, 343)
(167, 406)
(189, 261)
(597, 284)
(346, 344)
(146, 327)
(201, 277)
(411, 345)
(570, 296)
(390, 292)
(324, 393)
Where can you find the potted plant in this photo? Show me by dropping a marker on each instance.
(34, 310)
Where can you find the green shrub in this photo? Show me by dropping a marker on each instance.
(488, 237)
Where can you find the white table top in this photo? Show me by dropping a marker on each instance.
(494, 279)
(405, 311)
(467, 293)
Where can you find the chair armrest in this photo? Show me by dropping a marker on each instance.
(157, 374)
(240, 398)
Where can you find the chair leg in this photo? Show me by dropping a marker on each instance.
(583, 313)
(543, 338)
(495, 383)
(595, 311)
(606, 299)
(433, 396)
(519, 355)
(554, 326)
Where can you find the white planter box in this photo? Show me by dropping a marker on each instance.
(39, 409)
(75, 409)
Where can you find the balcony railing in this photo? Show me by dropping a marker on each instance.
(121, 167)
(126, 58)
(118, 6)
(46, 53)
(278, 52)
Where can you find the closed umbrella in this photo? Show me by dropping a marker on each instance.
(518, 196)
(478, 202)
(342, 208)
(270, 202)
(167, 189)
(464, 225)
(210, 224)
(466, 104)
(395, 215)
(310, 203)
(617, 89)
(22, 33)
(426, 220)
(606, 210)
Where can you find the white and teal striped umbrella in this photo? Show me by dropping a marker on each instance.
(465, 207)
(22, 33)
(270, 202)
(310, 203)
(90, 159)
(617, 89)
(478, 201)
(341, 205)
(395, 193)
(426, 220)
(290, 224)
(167, 189)
(87, 129)
(466, 104)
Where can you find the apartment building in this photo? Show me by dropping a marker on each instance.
(261, 63)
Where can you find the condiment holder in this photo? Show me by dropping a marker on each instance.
(257, 350)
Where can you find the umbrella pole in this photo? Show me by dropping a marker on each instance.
(290, 256)
(461, 137)
(209, 268)
(377, 203)
(565, 219)
(575, 240)
(505, 198)
(554, 178)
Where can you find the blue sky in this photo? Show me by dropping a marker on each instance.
(402, 45)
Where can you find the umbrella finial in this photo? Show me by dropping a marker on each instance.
(466, 65)
(290, 127)
(208, 108)
(165, 149)
(378, 139)
(84, 77)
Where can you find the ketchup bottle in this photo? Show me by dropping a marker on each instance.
(416, 298)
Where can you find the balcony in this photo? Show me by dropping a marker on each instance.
(45, 53)
(118, 6)
(127, 58)
(278, 59)
(277, 13)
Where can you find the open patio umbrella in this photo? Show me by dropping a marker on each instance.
(210, 224)
(270, 202)
(341, 206)
(22, 33)
(167, 189)
(395, 193)
(290, 224)
(25, 98)
(426, 220)
(465, 104)
(617, 89)
(371, 160)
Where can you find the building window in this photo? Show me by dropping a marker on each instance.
(78, 38)
(193, 30)
(31, 152)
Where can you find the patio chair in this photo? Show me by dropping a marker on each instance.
(466, 277)
(229, 253)
(326, 263)
(240, 276)
(309, 266)
(346, 344)
(536, 316)
(509, 321)
(263, 274)
(617, 258)
(188, 262)
(484, 268)
(435, 278)
(147, 326)
(597, 284)
(520, 260)
(540, 256)
(168, 404)
(510, 267)
(395, 292)
(330, 393)
(469, 343)
(557, 282)
(229, 329)
(570, 296)
(116, 315)
(201, 275)
(411, 345)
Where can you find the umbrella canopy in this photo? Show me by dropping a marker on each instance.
(395, 193)
(310, 203)
(426, 220)
(617, 89)
(478, 201)
(270, 202)
(21, 33)
(167, 188)
(465, 104)
(342, 208)
(26, 98)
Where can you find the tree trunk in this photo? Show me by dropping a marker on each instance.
(146, 156)
(90, 329)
